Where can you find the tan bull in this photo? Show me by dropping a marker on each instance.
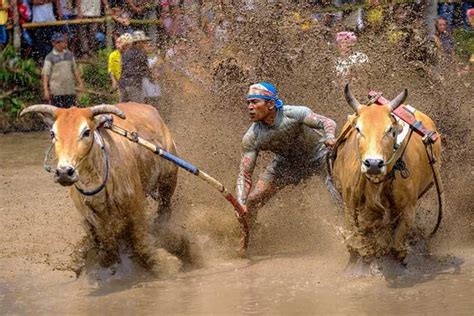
(380, 210)
(117, 211)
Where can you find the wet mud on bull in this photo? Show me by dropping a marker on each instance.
(379, 203)
(109, 179)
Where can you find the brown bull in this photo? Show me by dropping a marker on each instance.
(117, 211)
(379, 204)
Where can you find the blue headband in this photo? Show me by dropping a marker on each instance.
(270, 88)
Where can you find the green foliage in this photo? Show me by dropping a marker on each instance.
(464, 42)
(19, 82)
(96, 78)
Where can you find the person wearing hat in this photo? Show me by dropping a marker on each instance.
(292, 134)
(60, 74)
(345, 42)
(134, 69)
(114, 68)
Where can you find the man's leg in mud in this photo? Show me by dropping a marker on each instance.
(260, 195)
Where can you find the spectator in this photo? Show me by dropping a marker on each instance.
(114, 68)
(24, 16)
(443, 40)
(68, 11)
(166, 16)
(90, 9)
(145, 9)
(121, 18)
(43, 12)
(151, 88)
(3, 23)
(470, 18)
(59, 72)
(347, 57)
(446, 10)
(134, 69)
(466, 6)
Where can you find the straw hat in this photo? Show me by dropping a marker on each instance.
(140, 36)
(125, 38)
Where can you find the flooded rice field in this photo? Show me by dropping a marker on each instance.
(296, 262)
(297, 257)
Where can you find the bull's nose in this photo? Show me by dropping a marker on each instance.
(374, 166)
(66, 175)
(65, 171)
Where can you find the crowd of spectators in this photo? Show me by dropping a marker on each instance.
(135, 55)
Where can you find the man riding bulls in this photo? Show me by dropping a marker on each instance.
(290, 132)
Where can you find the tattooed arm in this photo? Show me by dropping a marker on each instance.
(317, 121)
(247, 166)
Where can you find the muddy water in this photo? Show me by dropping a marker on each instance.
(296, 263)
(297, 258)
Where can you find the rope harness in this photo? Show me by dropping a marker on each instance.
(100, 141)
(399, 166)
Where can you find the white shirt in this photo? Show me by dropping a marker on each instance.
(343, 65)
(91, 8)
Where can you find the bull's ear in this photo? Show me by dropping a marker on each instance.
(47, 119)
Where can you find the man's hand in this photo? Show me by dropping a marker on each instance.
(330, 143)
(244, 210)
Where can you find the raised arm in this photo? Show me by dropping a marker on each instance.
(320, 122)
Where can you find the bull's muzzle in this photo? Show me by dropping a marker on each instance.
(66, 176)
(373, 166)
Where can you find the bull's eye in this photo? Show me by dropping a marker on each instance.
(392, 131)
(357, 129)
(86, 133)
(51, 134)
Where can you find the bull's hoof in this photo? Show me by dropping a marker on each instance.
(359, 267)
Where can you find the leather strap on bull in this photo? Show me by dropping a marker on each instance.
(407, 114)
(429, 137)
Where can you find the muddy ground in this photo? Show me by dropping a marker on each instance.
(297, 256)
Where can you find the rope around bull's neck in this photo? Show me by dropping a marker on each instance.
(100, 141)
(97, 138)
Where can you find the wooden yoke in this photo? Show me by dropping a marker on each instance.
(407, 114)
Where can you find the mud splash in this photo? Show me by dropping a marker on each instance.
(297, 256)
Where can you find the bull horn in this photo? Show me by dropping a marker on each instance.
(40, 108)
(399, 99)
(351, 99)
(107, 109)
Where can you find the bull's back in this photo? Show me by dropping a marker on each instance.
(136, 163)
(146, 120)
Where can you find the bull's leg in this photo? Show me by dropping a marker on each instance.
(166, 190)
(406, 222)
(157, 260)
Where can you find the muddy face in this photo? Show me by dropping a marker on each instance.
(72, 135)
(376, 130)
(259, 109)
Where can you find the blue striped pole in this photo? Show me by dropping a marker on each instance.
(239, 211)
